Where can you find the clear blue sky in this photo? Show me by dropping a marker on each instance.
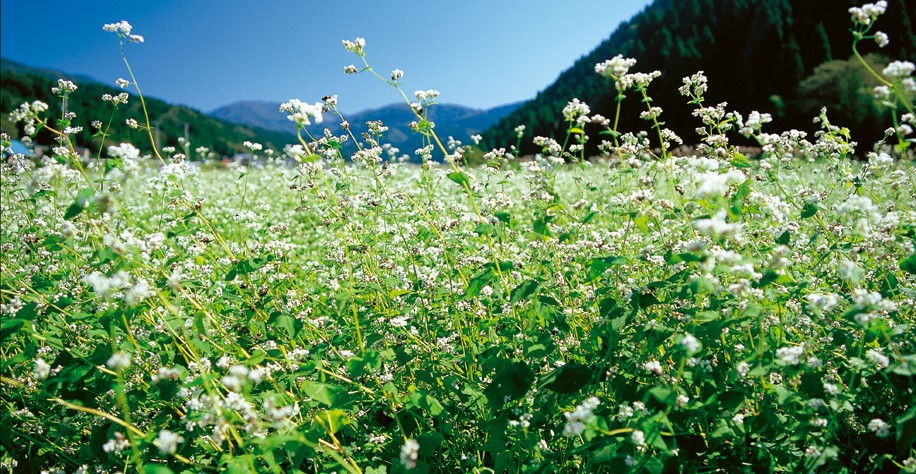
(205, 54)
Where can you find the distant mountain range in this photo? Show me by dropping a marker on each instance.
(457, 121)
(224, 129)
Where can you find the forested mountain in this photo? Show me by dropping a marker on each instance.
(451, 120)
(758, 55)
(20, 83)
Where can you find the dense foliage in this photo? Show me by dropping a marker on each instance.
(640, 312)
(755, 53)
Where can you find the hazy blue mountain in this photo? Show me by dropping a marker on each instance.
(451, 120)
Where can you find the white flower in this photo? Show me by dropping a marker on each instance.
(117, 444)
(42, 369)
(879, 427)
(716, 184)
(300, 112)
(168, 442)
(577, 419)
(122, 27)
(789, 355)
(615, 67)
(877, 358)
(867, 13)
(881, 39)
(103, 285)
(690, 343)
(574, 110)
(355, 46)
(899, 69)
(409, 452)
(653, 366)
(638, 438)
(822, 303)
(118, 361)
(124, 151)
(717, 227)
(397, 74)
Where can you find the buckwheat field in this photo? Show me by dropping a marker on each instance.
(660, 307)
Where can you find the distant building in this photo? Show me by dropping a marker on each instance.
(17, 146)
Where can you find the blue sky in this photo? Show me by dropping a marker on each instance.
(209, 53)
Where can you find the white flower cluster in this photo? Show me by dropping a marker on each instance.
(28, 114)
(868, 13)
(124, 151)
(879, 427)
(694, 86)
(168, 442)
(577, 419)
(64, 87)
(716, 184)
(876, 357)
(355, 46)
(789, 355)
(690, 343)
(118, 361)
(428, 95)
(300, 112)
(116, 100)
(615, 67)
(716, 226)
(409, 453)
(819, 303)
(123, 29)
(899, 69)
(575, 109)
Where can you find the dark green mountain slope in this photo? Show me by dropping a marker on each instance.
(756, 53)
(19, 83)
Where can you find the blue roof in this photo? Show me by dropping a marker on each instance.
(16, 146)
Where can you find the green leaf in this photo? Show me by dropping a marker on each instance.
(784, 238)
(906, 366)
(245, 267)
(642, 223)
(10, 327)
(524, 291)
(460, 178)
(478, 281)
(588, 217)
(511, 381)
(157, 469)
(80, 203)
(539, 226)
(809, 210)
(569, 378)
(421, 399)
(484, 229)
(321, 392)
(909, 265)
(598, 265)
(740, 161)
